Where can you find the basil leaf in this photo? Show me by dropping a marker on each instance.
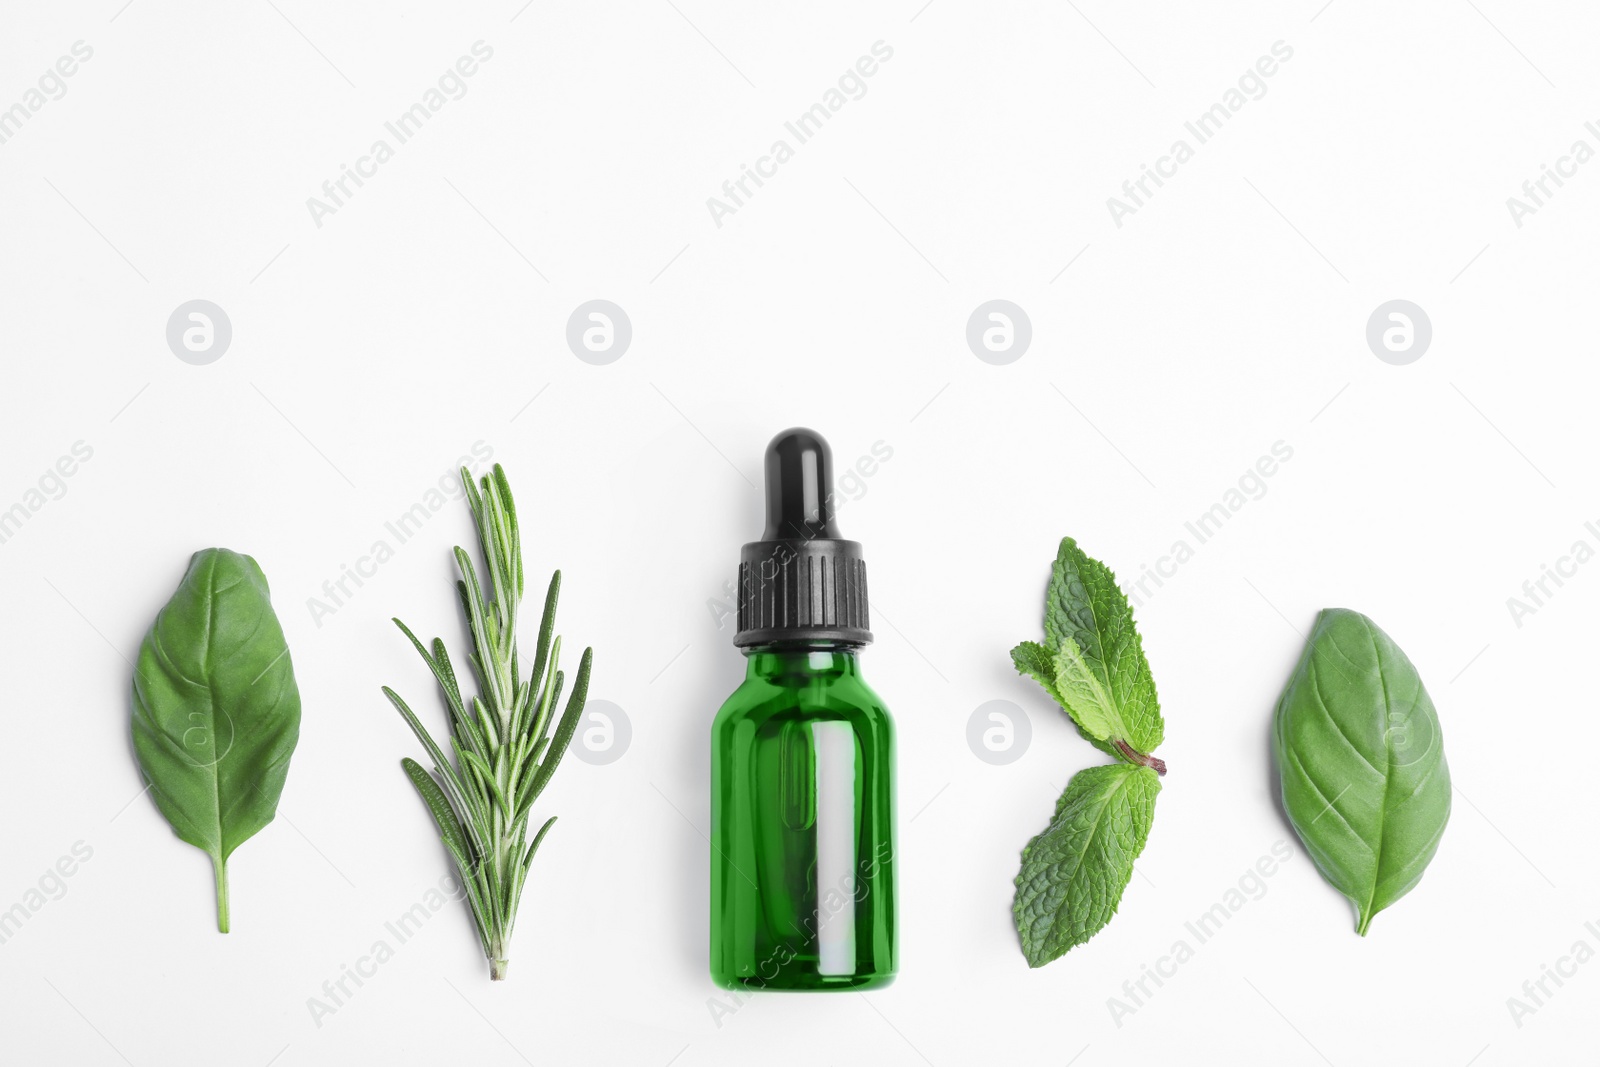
(216, 712)
(1074, 873)
(1101, 675)
(1361, 758)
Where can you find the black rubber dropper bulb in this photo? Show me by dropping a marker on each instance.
(799, 487)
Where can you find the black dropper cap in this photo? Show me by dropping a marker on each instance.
(801, 581)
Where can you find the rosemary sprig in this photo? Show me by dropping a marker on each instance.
(504, 752)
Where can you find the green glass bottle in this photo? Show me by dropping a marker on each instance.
(802, 757)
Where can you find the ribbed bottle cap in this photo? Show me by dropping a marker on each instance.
(801, 581)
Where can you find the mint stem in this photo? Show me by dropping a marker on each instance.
(1133, 755)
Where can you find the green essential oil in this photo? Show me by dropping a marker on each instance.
(802, 758)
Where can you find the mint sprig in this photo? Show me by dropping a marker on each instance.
(1092, 664)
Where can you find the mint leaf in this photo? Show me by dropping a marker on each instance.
(1034, 660)
(1098, 667)
(1037, 662)
(1074, 873)
(1084, 694)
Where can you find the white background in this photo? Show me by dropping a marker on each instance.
(368, 354)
